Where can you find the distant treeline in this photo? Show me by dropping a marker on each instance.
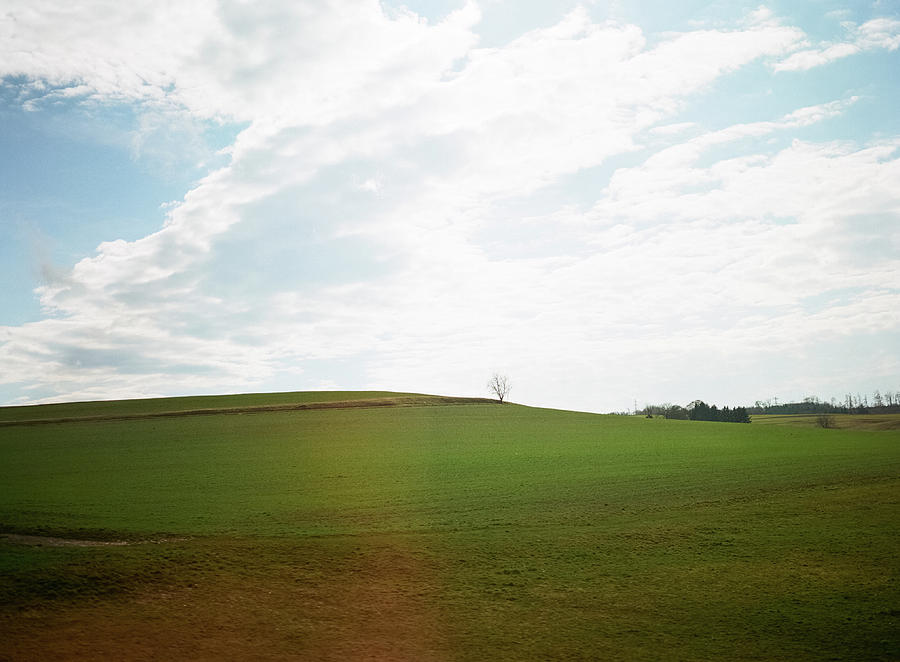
(880, 403)
(698, 411)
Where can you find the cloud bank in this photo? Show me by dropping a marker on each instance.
(406, 209)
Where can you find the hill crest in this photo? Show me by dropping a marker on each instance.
(67, 412)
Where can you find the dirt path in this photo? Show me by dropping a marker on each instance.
(49, 541)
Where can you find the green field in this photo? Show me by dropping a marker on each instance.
(452, 529)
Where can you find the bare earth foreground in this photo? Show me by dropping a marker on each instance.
(371, 606)
(380, 526)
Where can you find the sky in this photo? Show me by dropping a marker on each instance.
(609, 202)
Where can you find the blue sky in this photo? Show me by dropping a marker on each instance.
(607, 201)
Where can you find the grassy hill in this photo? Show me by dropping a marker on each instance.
(402, 526)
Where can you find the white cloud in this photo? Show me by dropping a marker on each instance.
(875, 34)
(808, 59)
(880, 33)
(370, 185)
(670, 129)
(311, 63)
(711, 274)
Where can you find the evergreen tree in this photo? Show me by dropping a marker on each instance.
(700, 411)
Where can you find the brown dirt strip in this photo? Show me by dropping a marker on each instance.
(49, 541)
(338, 404)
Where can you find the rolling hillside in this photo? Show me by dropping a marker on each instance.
(403, 526)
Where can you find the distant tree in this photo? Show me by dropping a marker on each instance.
(654, 410)
(699, 411)
(499, 385)
(877, 400)
(676, 412)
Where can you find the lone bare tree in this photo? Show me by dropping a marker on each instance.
(499, 385)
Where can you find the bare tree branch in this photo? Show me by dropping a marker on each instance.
(499, 385)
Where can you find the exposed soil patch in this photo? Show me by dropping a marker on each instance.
(315, 603)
